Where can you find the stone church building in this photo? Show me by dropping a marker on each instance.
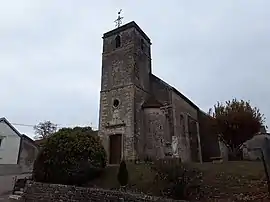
(142, 116)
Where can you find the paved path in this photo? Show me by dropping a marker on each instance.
(4, 198)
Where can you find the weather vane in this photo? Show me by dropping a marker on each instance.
(118, 21)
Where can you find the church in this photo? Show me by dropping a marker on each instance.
(142, 116)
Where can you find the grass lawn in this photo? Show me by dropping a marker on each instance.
(239, 180)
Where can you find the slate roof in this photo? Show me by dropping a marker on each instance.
(152, 102)
(154, 78)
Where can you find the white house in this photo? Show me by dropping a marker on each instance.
(17, 155)
(10, 140)
(15, 148)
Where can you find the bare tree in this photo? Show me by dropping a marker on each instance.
(44, 129)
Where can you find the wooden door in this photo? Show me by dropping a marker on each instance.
(115, 149)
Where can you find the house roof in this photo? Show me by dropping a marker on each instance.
(28, 138)
(3, 119)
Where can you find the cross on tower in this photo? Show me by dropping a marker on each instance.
(118, 21)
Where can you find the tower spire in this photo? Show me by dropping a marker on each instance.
(118, 21)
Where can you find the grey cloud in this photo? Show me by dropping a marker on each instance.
(50, 53)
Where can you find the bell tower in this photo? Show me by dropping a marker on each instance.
(126, 65)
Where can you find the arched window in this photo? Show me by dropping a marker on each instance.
(117, 41)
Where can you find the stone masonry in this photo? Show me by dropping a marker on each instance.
(152, 118)
(39, 192)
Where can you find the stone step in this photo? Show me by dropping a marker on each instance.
(18, 192)
(14, 197)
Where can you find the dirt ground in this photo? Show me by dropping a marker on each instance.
(234, 181)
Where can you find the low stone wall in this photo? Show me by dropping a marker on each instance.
(10, 169)
(7, 182)
(13, 169)
(9, 173)
(40, 192)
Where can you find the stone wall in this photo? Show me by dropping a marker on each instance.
(208, 136)
(224, 151)
(262, 141)
(28, 154)
(125, 78)
(10, 169)
(38, 192)
(155, 138)
(117, 120)
(7, 182)
(182, 110)
(139, 127)
(161, 90)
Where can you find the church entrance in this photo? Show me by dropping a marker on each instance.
(115, 149)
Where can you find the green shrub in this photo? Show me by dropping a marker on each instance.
(181, 181)
(70, 156)
(122, 175)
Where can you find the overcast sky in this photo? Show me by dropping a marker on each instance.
(50, 54)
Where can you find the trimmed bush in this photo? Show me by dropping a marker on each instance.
(70, 156)
(123, 174)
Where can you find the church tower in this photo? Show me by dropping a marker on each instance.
(126, 66)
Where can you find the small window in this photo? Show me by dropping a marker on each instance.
(142, 44)
(1, 140)
(181, 119)
(117, 41)
(116, 103)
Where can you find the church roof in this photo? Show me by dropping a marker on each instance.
(156, 79)
(152, 102)
(125, 27)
